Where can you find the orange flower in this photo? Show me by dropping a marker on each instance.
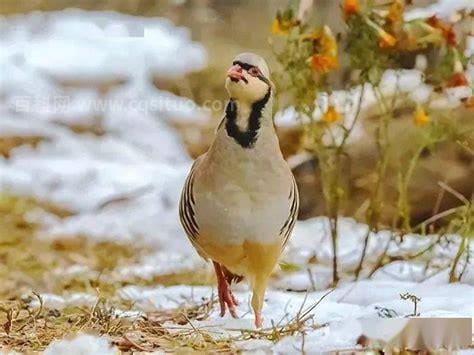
(331, 115)
(386, 39)
(323, 63)
(446, 30)
(324, 41)
(457, 79)
(351, 7)
(420, 117)
(325, 58)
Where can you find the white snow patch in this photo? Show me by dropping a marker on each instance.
(421, 93)
(400, 81)
(340, 313)
(123, 184)
(51, 301)
(161, 263)
(82, 344)
(311, 238)
(442, 8)
(469, 46)
(83, 45)
(287, 118)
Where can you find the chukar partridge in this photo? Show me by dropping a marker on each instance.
(240, 200)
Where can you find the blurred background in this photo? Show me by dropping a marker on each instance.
(223, 29)
(103, 107)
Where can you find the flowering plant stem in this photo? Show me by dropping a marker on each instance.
(383, 144)
(403, 203)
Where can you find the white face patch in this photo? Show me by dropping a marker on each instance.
(254, 82)
(250, 90)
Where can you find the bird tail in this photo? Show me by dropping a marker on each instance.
(231, 277)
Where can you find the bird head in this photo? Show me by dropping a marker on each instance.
(248, 79)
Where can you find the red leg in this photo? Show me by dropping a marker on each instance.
(230, 277)
(258, 320)
(234, 300)
(226, 298)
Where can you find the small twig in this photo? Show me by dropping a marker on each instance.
(311, 279)
(464, 268)
(334, 234)
(40, 308)
(434, 218)
(413, 298)
(91, 313)
(453, 192)
(135, 345)
(437, 204)
(348, 291)
(380, 260)
(310, 309)
(462, 247)
(364, 251)
(302, 305)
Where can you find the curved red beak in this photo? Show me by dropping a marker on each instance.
(235, 73)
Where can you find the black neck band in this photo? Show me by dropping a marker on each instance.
(248, 137)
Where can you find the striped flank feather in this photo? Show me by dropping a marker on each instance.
(187, 208)
(285, 231)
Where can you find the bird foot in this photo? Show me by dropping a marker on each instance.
(226, 299)
(236, 303)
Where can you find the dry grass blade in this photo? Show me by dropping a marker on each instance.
(453, 192)
(294, 326)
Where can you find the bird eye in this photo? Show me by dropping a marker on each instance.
(254, 71)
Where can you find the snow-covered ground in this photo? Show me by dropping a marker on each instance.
(341, 313)
(121, 185)
(340, 318)
(124, 184)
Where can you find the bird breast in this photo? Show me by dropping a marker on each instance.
(245, 198)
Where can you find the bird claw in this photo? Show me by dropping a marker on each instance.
(227, 300)
(234, 300)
